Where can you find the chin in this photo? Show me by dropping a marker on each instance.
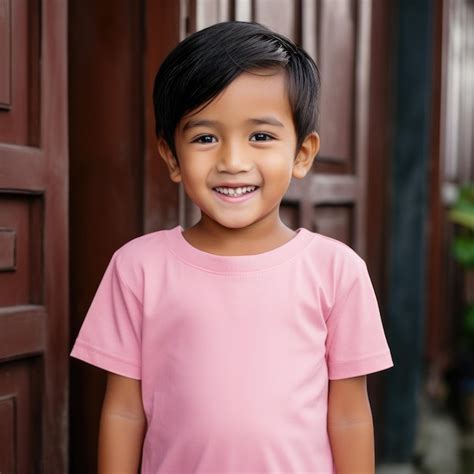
(234, 224)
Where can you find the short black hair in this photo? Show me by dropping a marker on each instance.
(206, 62)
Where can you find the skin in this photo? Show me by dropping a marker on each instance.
(122, 426)
(350, 426)
(245, 135)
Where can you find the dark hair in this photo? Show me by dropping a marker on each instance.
(207, 61)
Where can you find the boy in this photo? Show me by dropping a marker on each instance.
(237, 345)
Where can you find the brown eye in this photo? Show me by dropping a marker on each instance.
(261, 137)
(205, 139)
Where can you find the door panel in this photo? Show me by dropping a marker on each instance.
(336, 53)
(269, 12)
(33, 237)
(19, 77)
(21, 276)
(20, 410)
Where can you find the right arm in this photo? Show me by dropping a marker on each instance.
(122, 426)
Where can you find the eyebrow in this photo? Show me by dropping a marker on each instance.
(266, 120)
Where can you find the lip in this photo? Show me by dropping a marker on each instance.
(234, 185)
(244, 197)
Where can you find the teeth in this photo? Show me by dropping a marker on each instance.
(235, 191)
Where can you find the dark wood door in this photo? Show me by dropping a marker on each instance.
(33, 237)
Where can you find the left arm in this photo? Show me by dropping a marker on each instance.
(350, 426)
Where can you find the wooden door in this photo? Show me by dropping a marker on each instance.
(33, 237)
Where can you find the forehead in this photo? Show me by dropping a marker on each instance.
(250, 94)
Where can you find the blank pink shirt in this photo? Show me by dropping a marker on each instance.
(234, 353)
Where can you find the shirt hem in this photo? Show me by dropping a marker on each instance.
(104, 361)
(343, 370)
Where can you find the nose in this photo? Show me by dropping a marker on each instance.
(234, 158)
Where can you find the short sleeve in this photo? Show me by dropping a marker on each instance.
(110, 336)
(356, 343)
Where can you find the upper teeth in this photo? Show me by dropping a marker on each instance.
(236, 191)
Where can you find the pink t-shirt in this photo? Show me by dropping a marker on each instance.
(234, 353)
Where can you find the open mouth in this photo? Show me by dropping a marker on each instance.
(235, 192)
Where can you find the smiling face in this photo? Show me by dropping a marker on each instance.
(237, 155)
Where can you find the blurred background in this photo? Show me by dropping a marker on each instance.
(80, 176)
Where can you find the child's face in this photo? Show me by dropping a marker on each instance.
(244, 137)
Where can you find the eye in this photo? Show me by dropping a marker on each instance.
(261, 137)
(205, 139)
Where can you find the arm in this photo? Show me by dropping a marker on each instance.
(350, 427)
(122, 426)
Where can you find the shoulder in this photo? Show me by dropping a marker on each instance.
(141, 247)
(332, 251)
(134, 258)
(334, 264)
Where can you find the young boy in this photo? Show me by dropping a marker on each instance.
(237, 345)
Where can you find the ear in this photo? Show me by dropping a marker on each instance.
(306, 155)
(170, 160)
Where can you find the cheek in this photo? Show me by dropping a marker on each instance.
(193, 166)
(194, 172)
(278, 167)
